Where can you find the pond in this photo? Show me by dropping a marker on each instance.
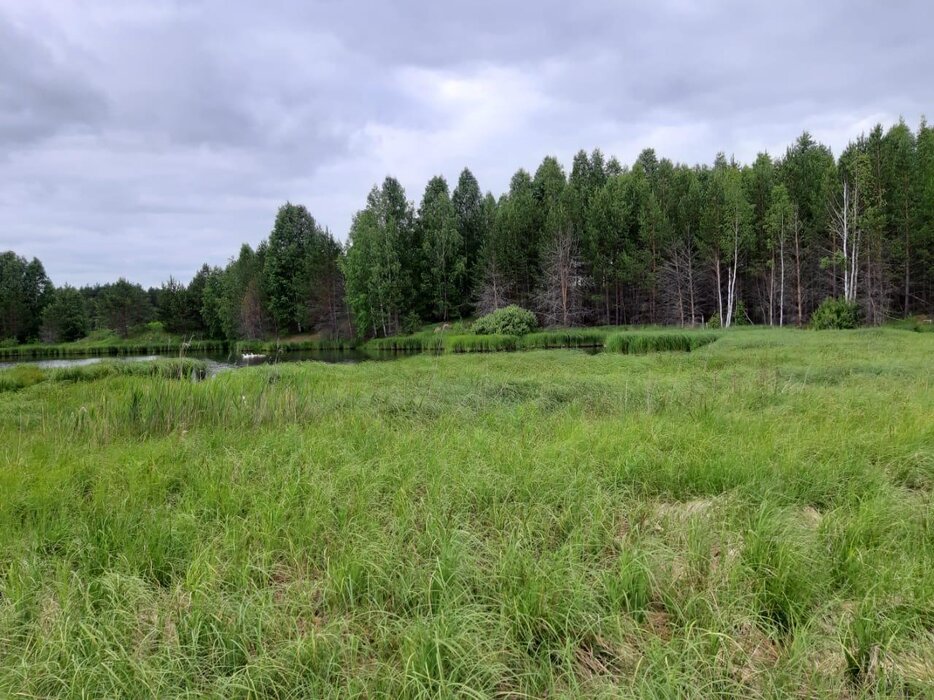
(215, 363)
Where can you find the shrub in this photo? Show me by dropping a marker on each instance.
(411, 323)
(510, 320)
(739, 317)
(836, 314)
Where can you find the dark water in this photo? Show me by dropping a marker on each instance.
(216, 363)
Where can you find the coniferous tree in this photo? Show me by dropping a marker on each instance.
(445, 262)
(65, 318)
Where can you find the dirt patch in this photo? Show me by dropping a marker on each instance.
(682, 510)
(597, 657)
(811, 517)
(751, 656)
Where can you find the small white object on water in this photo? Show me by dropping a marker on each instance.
(253, 356)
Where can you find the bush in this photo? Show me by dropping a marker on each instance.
(510, 320)
(836, 314)
(739, 317)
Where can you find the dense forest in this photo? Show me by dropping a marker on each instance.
(656, 242)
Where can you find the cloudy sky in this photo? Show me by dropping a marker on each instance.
(141, 139)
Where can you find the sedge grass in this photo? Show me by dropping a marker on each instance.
(640, 342)
(751, 519)
(21, 376)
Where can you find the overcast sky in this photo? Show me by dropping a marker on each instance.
(140, 139)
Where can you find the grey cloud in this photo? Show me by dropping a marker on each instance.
(144, 139)
(39, 94)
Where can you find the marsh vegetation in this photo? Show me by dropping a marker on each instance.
(749, 519)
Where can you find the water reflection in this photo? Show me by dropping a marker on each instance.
(215, 363)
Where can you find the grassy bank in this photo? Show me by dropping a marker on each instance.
(112, 347)
(641, 342)
(750, 519)
(167, 345)
(22, 376)
(614, 340)
(271, 347)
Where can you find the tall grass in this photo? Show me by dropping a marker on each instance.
(22, 376)
(312, 345)
(480, 343)
(113, 347)
(417, 342)
(568, 338)
(749, 521)
(635, 343)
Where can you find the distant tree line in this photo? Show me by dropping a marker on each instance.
(655, 242)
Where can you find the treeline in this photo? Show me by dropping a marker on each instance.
(655, 242)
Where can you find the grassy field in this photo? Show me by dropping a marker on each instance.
(753, 518)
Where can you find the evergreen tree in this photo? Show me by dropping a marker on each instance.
(65, 318)
(443, 249)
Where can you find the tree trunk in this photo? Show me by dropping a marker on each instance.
(781, 287)
(719, 291)
(798, 266)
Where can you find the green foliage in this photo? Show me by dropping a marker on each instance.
(473, 225)
(445, 262)
(25, 291)
(836, 314)
(122, 306)
(510, 320)
(740, 317)
(644, 243)
(383, 272)
(300, 273)
(65, 319)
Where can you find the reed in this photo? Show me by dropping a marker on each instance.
(480, 343)
(568, 338)
(635, 343)
(111, 349)
(314, 345)
(417, 342)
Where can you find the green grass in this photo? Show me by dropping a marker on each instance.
(628, 341)
(311, 345)
(918, 324)
(112, 346)
(22, 376)
(424, 341)
(480, 343)
(569, 338)
(750, 519)
(641, 342)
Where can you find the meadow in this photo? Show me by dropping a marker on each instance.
(753, 518)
